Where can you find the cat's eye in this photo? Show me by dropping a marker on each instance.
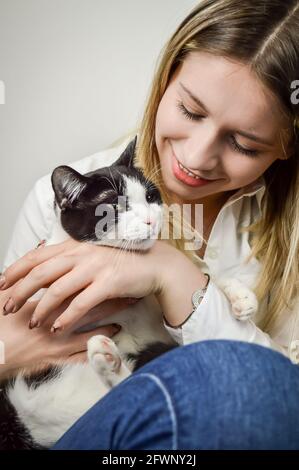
(149, 197)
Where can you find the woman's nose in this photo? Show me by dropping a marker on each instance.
(202, 154)
(201, 160)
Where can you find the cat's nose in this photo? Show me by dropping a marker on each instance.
(150, 222)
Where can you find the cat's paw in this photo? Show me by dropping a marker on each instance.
(244, 306)
(103, 354)
(243, 300)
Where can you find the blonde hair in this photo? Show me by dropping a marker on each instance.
(265, 35)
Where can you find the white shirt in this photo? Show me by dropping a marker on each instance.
(225, 254)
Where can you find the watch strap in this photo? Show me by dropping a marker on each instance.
(197, 296)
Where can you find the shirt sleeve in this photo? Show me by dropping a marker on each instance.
(37, 216)
(34, 221)
(213, 319)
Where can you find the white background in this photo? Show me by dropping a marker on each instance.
(76, 74)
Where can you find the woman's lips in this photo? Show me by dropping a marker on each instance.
(182, 176)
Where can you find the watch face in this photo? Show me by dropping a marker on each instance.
(196, 296)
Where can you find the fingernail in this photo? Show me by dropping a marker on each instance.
(2, 281)
(34, 323)
(9, 306)
(41, 243)
(56, 327)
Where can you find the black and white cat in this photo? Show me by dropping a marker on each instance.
(114, 206)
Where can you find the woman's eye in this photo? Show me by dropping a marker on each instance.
(238, 148)
(234, 143)
(188, 114)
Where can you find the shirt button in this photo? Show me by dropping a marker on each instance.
(212, 253)
(294, 351)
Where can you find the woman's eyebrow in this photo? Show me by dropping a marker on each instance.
(194, 98)
(255, 138)
(248, 135)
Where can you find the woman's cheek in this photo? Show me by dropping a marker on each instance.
(169, 121)
(244, 171)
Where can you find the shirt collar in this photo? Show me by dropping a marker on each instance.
(257, 188)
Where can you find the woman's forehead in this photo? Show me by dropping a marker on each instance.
(230, 91)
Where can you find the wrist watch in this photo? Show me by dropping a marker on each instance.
(198, 295)
(196, 298)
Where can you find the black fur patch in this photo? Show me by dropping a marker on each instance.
(13, 434)
(150, 352)
(79, 196)
(38, 378)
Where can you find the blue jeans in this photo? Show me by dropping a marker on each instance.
(207, 395)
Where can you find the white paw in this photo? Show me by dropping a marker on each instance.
(103, 354)
(243, 300)
(245, 306)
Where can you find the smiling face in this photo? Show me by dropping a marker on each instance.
(217, 121)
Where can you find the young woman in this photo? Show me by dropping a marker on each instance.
(220, 129)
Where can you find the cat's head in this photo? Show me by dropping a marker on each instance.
(114, 205)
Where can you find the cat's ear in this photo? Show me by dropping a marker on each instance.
(68, 184)
(127, 157)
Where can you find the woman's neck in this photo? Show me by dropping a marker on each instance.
(211, 206)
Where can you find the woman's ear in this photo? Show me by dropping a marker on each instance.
(67, 184)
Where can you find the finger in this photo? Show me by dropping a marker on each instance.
(27, 262)
(5, 295)
(106, 308)
(78, 341)
(75, 358)
(69, 284)
(39, 277)
(40, 244)
(82, 303)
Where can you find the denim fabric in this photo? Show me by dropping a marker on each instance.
(207, 395)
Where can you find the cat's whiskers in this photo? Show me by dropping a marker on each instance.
(111, 183)
(116, 254)
(125, 246)
(118, 259)
(110, 229)
(151, 186)
(120, 174)
(115, 186)
(154, 184)
(154, 172)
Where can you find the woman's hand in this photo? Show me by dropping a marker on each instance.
(98, 273)
(94, 273)
(25, 348)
